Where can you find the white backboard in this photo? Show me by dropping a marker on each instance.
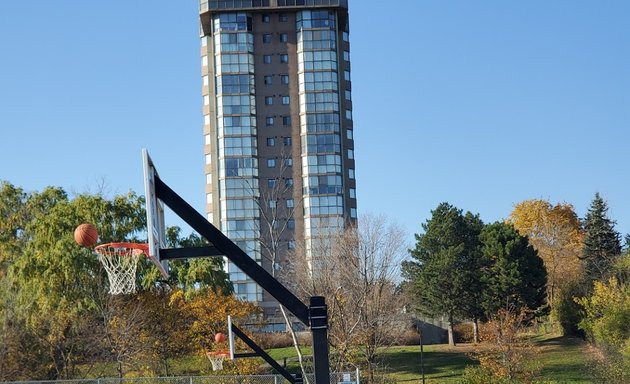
(156, 231)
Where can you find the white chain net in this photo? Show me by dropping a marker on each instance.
(120, 263)
(217, 360)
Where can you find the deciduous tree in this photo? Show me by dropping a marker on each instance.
(357, 270)
(555, 232)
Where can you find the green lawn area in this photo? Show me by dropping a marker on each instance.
(564, 359)
(559, 360)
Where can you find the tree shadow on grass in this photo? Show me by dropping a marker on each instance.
(437, 364)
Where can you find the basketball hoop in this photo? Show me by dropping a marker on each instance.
(216, 358)
(120, 261)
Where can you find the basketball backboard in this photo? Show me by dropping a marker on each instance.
(156, 231)
(231, 337)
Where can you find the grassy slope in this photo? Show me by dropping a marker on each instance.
(564, 359)
(560, 359)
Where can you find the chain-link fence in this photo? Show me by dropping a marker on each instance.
(335, 378)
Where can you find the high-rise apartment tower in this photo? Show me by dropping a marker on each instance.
(278, 130)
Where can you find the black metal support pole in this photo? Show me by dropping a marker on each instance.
(318, 315)
(260, 352)
(421, 357)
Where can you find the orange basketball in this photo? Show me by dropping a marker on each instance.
(86, 235)
(219, 337)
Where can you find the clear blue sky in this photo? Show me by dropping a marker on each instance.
(479, 103)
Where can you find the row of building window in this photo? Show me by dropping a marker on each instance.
(272, 163)
(274, 203)
(267, 38)
(284, 58)
(272, 183)
(271, 120)
(284, 100)
(286, 141)
(268, 80)
(282, 17)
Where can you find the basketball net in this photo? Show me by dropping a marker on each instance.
(120, 261)
(216, 358)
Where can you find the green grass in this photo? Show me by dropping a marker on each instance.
(442, 364)
(558, 360)
(563, 360)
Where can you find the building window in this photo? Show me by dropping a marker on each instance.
(350, 154)
(348, 94)
(353, 193)
(288, 182)
(266, 38)
(205, 80)
(272, 204)
(265, 18)
(286, 120)
(286, 100)
(271, 183)
(291, 244)
(204, 61)
(353, 213)
(284, 58)
(283, 17)
(206, 100)
(284, 79)
(349, 134)
(290, 224)
(348, 114)
(284, 37)
(268, 80)
(268, 100)
(289, 203)
(271, 163)
(269, 120)
(345, 36)
(346, 55)
(267, 59)
(271, 142)
(286, 141)
(351, 173)
(288, 162)
(346, 75)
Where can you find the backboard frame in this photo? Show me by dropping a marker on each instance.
(156, 229)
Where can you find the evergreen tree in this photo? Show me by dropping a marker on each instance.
(517, 277)
(444, 275)
(602, 244)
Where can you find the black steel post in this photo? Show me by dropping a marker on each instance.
(421, 356)
(318, 315)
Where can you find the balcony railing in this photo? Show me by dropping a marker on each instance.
(214, 5)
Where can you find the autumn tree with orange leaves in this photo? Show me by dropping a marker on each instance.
(554, 231)
(206, 314)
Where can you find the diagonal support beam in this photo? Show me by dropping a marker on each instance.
(260, 352)
(227, 247)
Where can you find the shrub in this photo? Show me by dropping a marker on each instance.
(463, 333)
(270, 340)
